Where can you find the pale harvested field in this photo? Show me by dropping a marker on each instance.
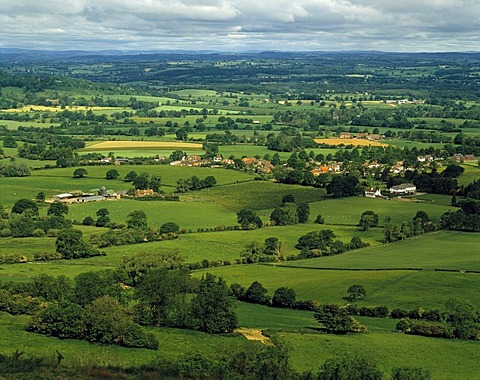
(33, 108)
(356, 142)
(106, 145)
(253, 334)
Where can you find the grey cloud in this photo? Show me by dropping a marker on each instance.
(242, 24)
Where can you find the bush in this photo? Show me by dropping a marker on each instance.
(46, 256)
(38, 232)
(410, 373)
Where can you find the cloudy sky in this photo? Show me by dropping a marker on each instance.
(241, 25)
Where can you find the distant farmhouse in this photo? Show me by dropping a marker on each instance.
(93, 195)
(405, 188)
(373, 193)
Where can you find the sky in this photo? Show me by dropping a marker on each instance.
(241, 25)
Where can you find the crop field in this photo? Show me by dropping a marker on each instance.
(116, 145)
(37, 108)
(355, 142)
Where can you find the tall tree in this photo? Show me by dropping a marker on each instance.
(212, 307)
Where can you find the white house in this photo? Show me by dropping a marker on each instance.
(405, 188)
(372, 193)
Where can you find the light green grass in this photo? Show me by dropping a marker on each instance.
(349, 210)
(438, 250)
(173, 343)
(393, 288)
(258, 195)
(445, 359)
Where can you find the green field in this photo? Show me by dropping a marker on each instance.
(438, 250)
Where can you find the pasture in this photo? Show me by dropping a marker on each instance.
(119, 145)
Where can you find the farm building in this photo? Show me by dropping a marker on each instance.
(373, 193)
(405, 188)
(143, 193)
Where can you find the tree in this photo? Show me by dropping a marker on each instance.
(285, 215)
(137, 219)
(319, 219)
(350, 368)
(316, 240)
(141, 181)
(463, 317)
(303, 212)
(284, 297)
(212, 308)
(155, 183)
(9, 142)
(272, 246)
(92, 285)
(453, 171)
(103, 218)
(80, 173)
(256, 293)
(248, 219)
(411, 373)
(25, 206)
(88, 221)
(336, 320)
(112, 174)
(58, 209)
(356, 292)
(21, 225)
(343, 186)
(161, 296)
(130, 176)
(70, 245)
(368, 219)
(288, 198)
(169, 227)
(40, 197)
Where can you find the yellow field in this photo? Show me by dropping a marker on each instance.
(356, 142)
(33, 108)
(106, 145)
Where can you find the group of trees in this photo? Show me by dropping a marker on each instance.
(419, 224)
(322, 243)
(460, 320)
(254, 252)
(25, 220)
(194, 183)
(141, 181)
(290, 212)
(14, 169)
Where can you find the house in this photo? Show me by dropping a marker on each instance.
(458, 157)
(91, 198)
(345, 135)
(469, 157)
(426, 158)
(373, 193)
(63, 197)
(143, 193)
(405, 188)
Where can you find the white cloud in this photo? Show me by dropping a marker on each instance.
(414, 25)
